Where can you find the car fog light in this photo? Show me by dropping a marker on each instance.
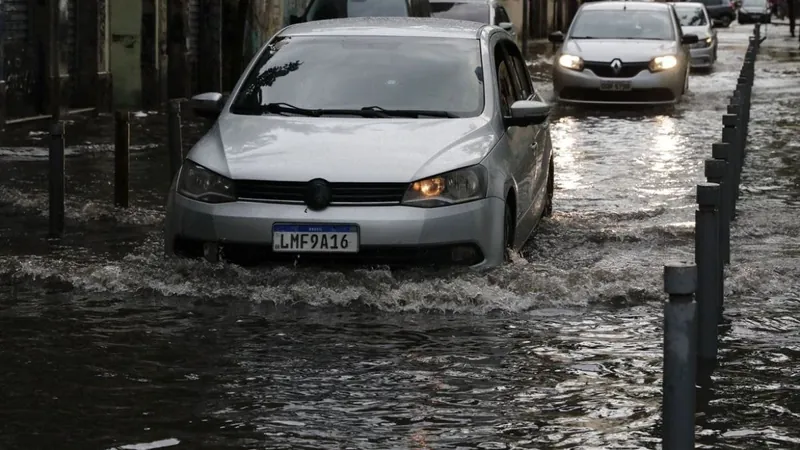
(463, 253)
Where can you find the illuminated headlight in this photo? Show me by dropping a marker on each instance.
(660, 63)
(459, 186)
(703, 43)
(201, 184)
(571, 62)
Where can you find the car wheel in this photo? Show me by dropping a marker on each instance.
(726, 21)
(548, 204)
(508, 231)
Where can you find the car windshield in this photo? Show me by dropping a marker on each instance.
(350, 73)
(691, 16)
(475, 12)
(338, 9)
(754, 3)
(622, 24)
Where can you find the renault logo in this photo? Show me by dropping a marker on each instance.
(616, 66)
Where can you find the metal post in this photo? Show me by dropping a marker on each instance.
(732, 136)
(174, 138)
(524, 30)
(680, 359)
(56, 179)
(122, 143)
(709, 269)
(723, 151)
(715, 170)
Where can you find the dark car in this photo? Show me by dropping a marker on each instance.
(340, 9)
(755, 11)
(484, 11)
(721, 12)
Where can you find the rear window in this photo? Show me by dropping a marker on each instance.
(474, 12)
(691, 16)
(339, 9)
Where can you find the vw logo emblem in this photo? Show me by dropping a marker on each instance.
(616, 66)
(318, 194)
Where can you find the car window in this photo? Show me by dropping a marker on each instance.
(338, 9)
(755, 3)
(691, 16)
(422, 73)
(505, 83)
(500, 15)
(623, 24)
(521, 75)
(474, 12)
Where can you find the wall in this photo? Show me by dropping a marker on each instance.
(125, 50)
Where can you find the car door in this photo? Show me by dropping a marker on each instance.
(520, 139)
(537, 135)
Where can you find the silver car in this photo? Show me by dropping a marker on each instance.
(694, 20)
(394, 140)
(631, 52)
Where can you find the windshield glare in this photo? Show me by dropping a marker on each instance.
(474, 12)
(431, 74)
(754, 3)
(691, 17)
(339, 9)
(622, 24)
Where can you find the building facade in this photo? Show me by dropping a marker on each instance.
(54, 57)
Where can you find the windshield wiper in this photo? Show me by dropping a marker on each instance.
(413, 113)
(582, 37)
(277, 108)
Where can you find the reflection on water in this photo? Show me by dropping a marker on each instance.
(106, 344)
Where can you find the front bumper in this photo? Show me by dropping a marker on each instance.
(384, 231)
(702, 57)
(649, 88)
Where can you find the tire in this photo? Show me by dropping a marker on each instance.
(548, 203)
(726, 21)
(508, 231)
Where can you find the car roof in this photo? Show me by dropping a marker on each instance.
(695, 4)
(634, 5)
(479, 2)
(387, 26)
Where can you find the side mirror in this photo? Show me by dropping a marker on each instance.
(527, 112)
(508, 26)
(294, 19)
(556, 37)
(207, 104)
(689, 39)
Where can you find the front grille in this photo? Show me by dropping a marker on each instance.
(633, 96)
(603, 69)
(342, 193)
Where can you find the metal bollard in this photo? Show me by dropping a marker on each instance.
(56, 179)
(741, 126)
(723, 151)
(680, 357)
(122, 146)
(174, 139)
(732, 135)
(709, 269)
(715, 171)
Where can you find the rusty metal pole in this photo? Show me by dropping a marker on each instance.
(174, 137)
(56, 179)
(122, 145)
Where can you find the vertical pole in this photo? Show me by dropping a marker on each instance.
(122, 142)
(56, 179)
(709, 269)
(715, 170)
(723, 151)
(524, 31)
(54, 16)
(175, 140)
(731, 136)
(680, 358)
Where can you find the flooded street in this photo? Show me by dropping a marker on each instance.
(105, 344)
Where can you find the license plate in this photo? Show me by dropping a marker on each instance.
(615, 86)
(315, 238)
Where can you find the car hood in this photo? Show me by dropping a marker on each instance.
(753, 9)
(701, 31)
(290, 148)
(627, 50)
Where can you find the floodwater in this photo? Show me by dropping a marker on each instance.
(104, 344)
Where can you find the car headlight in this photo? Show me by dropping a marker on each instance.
(201, 184)
(458, 186)
(703, 43)
(660, 63)
(571, 62)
